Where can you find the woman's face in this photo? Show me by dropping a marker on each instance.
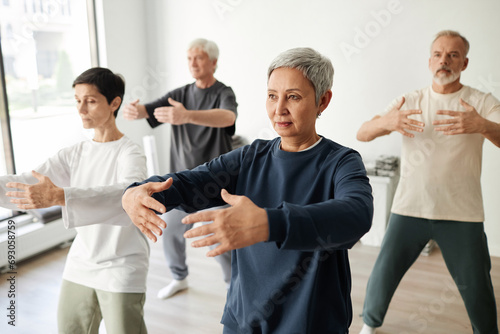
(291, 104)
(93, 107)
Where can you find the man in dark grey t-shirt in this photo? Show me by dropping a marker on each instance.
(202, 115)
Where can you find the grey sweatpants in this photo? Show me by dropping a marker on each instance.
(174, 247)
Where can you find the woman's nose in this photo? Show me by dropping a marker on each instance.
(281, 107)
(81, 108)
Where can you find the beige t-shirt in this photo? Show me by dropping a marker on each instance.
(440, 174)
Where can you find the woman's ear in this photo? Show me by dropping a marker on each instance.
(324, 100)
(115, 104)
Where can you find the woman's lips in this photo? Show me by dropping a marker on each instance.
(283, 124)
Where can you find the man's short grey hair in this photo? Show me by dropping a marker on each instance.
(209, 47)
(452, 33)
(315, 67)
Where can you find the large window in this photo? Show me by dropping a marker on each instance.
(44, 46)
(6, 158)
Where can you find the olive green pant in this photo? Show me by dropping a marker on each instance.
(465, 252)
(81, 310)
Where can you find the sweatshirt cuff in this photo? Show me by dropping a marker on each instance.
(277, 225)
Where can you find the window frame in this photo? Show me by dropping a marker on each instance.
(5, 121)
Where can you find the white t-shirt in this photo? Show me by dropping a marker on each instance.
(440, 174)
(109, 252)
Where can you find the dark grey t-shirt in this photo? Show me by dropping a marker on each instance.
(193, 145)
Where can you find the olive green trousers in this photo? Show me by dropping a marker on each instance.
(81, 310)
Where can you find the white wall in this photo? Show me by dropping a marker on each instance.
(379, 49)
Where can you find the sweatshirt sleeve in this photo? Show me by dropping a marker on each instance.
(338, 222)
(102, 204)
(198, 188)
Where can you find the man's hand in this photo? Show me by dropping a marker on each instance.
(241, 225)
(398, 120)
(461, 122)
(138, 204)
(36, 196)
(134, 111)
(176, 114)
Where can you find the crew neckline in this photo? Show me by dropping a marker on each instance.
(441, 95)
(106, 142)
(313, 145)
(303, 153)
(204, 89)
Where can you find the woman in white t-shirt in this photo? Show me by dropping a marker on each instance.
(106, 268)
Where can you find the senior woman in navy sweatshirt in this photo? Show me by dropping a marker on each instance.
(297, 204)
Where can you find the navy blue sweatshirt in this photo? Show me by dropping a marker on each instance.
(319, 204)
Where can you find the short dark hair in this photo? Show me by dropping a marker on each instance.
(107, 83)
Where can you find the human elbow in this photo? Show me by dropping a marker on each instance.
(363, 136)
(231, 119)
(363, 215)
(367, 218)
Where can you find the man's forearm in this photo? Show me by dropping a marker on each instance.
(215, 118)
(371, 130)
(143, 113)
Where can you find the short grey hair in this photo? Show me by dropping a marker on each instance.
(315, 67)
(452, 33)
(209, 47)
